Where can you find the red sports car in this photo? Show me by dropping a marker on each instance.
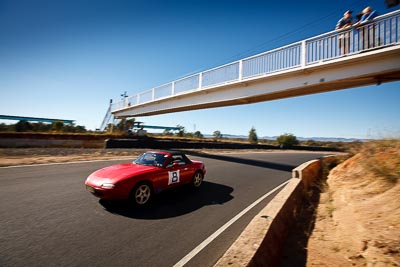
(151, 173)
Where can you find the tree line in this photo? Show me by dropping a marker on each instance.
(284, 140)
(56, 126)
(124, 125)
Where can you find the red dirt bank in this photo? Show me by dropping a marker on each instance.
(357, 220)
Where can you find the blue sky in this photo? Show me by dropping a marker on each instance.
(66, 59)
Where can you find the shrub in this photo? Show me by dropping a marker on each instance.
(287, 140)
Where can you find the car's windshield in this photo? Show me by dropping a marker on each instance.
(151, 159)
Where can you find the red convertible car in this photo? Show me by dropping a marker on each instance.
(151, 173)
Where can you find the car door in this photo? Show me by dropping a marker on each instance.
(179, 171)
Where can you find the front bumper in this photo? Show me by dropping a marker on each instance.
(106, 194)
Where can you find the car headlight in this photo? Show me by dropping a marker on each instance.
(108, 186)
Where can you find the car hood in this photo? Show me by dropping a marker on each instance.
(119, 172)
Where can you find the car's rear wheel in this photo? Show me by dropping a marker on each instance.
(197, 179)
(141, 194)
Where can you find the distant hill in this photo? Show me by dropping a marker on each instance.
(318, 139)
(330, 139)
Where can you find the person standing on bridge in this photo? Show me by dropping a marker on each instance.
(344, 37)
(367, 32)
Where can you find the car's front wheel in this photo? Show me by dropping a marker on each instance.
(197, 179)
(141, 194)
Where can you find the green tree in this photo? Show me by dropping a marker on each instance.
(287, 139)
(129, 123)
(124, 125)
(80, 129)
(189, 134)
(167, 132)
(57, 126)
(253, 138)
(41, 127)
(198, 134)
(120, 127)
(217, 135)
(109, 128)
(23, 126)
(181, 132)
(4, 127)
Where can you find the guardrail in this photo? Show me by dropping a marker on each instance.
(380, 32)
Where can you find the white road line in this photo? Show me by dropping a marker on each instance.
(62, 163)
(203, 244)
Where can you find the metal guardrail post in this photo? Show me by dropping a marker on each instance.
(303, 57)
(200, 80)
(240, 70)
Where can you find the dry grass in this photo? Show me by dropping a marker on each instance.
(382, 158)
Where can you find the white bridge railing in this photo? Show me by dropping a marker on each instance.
(380, 32)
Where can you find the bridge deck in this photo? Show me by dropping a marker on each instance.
(314, 65)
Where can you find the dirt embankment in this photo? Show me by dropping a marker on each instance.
(355, 221)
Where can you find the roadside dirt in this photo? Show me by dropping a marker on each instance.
(26, 156)
(355, 220)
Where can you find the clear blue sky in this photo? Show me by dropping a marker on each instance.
(67, 58)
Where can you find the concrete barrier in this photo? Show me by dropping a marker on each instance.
(261, 242)
(308, 172)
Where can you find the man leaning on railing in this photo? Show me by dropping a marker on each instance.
(367, 32)
(344, 38)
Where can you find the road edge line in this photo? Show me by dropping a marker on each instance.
(207, 241)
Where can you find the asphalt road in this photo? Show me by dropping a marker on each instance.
(48, 219)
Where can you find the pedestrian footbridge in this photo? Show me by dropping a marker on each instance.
(356, 56)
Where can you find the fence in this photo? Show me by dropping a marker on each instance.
(380, 32)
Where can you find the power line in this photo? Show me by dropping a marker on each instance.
(268, 44)
(303, 28)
